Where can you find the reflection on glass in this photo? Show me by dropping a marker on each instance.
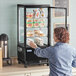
(21, 25)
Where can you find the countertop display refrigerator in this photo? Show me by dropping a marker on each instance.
(34, 23)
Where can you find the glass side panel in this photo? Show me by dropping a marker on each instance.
(57, 20)
(37, 25)
(21, 25)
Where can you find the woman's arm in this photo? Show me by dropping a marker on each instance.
(45, 53)
(40, 52)
(32, 44)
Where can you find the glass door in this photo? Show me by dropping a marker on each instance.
(58, 19)
(37, 26)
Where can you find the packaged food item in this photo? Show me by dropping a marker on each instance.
(41, 33)
(38, 33)
(36, 13)
(42, 12)
(38, 41)
(29, 15)
(36, 23)
(29, 23)
(41, 23)
(28, 40)
(30, 34)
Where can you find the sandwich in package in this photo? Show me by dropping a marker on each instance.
(39, 41)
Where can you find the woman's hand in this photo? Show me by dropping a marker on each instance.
(32, 44)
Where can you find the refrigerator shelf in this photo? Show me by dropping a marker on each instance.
(36, 27)
(38, 18)
(37, 36)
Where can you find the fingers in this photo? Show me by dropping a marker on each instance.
(32, 44)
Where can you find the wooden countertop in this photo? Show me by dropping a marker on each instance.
(19, 68)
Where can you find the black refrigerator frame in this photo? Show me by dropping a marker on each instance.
(22, 47)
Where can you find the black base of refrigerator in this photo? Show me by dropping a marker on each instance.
(33, 63)
(28, 58)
